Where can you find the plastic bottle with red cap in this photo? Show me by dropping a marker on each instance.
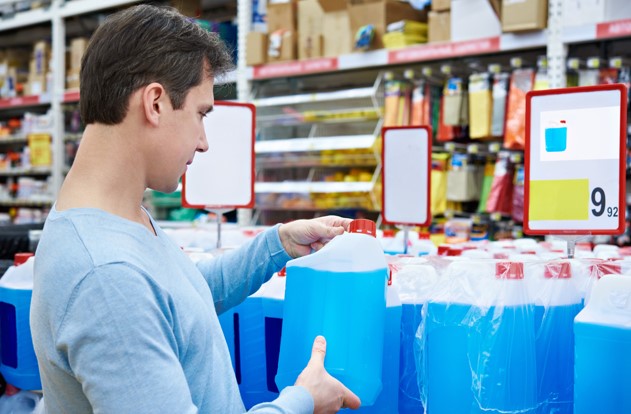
(16, 401)
(18, 363)
(338, 292)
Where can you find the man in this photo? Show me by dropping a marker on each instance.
(122, 320)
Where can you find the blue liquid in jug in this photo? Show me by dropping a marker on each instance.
(555, 358)
(448, 375)
(409, 394)
(480, 362)
(387, 401)
(602, 369)
(348, 309)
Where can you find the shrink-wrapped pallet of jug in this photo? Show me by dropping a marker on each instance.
(338, 292)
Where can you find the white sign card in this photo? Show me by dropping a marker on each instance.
(575, 160)
(223, 176)
(406, 162)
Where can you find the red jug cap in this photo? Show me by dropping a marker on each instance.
(363, 226)
(21, 258)
(558, 270)
(509, 270)
(443, 249)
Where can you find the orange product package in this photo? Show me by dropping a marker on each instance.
(522, 81)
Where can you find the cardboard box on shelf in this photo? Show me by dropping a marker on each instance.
(336, 28)
(281, 46)
(473, 19)
(380, 13)
(441, 5)
(581, 12)
(524, 15)
(439, 26)
(72, 78)
(310, 21)
(187, 7)
(282, 16)
(256, 49)
(77, 48)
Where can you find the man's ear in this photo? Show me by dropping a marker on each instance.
(154, 102)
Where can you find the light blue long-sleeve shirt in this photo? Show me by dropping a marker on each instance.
(124, 322)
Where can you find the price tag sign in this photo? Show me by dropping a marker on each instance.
(40, 150)
(575, 160)
(223, 176)
(406, 161)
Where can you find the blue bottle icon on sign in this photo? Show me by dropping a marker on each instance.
(556, 137)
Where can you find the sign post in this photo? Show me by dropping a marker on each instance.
(406, 162)
(575, 162)
(222, 178)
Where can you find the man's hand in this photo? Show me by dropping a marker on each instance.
(300, 237)
(329, 395)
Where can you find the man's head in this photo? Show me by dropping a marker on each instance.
(141, 45)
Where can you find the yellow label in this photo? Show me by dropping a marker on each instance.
(559, 200)
(39, 146)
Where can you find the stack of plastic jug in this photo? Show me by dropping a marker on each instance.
(557, 302)
(253, 331)
(18, 363)
(479, 341)
(15, 401)
(415, 282)
(338, 292)
(603, 339)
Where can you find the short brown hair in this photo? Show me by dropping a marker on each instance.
(141, 45)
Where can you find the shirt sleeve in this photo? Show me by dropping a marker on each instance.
(117, 336)
(237, 274)
(292, 400)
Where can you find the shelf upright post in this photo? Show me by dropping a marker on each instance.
(556, 48)
(244, 19)
(59, 63)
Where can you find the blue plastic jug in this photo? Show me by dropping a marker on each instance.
(338, 292)
(478, 352)
(557, 302)
(602, 368)
(18, 363)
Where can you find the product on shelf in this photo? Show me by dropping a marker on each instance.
(522, 81)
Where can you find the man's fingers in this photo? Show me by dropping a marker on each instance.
(351, 400)
(319, 350)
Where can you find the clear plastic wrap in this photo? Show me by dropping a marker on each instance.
(476, 341)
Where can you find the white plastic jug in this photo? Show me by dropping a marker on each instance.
(338, 292)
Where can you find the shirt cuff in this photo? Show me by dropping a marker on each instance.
(278, 254)
(296, 399)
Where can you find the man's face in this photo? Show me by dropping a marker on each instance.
(182, 135)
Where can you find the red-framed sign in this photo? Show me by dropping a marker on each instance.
(223, 176)
(575, 159)
(406, 162)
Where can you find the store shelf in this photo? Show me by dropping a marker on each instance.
(312, 187)
(314, 209)
(26, 18)
(76, 7)
(313, 117)
(597, 31)
(314, 144)
(24, 101)
(355, 93)
(384, 57)
(71, 136)
(25, 203)
(13, 139)
(25, 171)
(71, 95)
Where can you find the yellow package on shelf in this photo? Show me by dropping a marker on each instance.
(408, 27)
(396, 40)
